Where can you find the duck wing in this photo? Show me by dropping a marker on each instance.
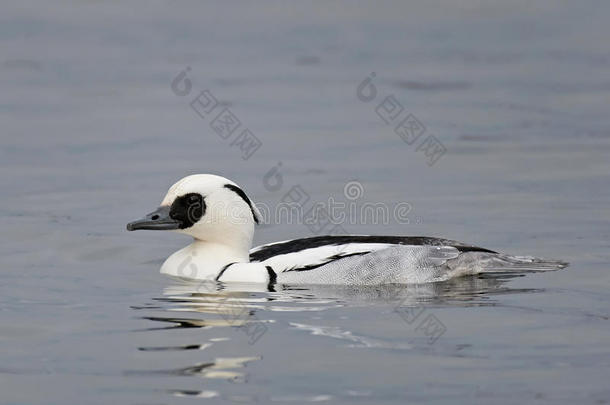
(307, 254)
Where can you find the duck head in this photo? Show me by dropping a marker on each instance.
(207, 207)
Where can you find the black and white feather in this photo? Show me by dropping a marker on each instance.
(220, 216)
(361, 259)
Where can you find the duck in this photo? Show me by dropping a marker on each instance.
(221, 218)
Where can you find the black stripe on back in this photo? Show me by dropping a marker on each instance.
(244, 197)
(297, 245)
(328, 260)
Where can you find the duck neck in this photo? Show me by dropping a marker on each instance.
(203, 259)
(218, 253)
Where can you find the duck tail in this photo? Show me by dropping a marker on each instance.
(482, 262)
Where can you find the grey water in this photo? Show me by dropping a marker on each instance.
(93, 134)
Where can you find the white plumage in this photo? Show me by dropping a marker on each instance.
(221, 218)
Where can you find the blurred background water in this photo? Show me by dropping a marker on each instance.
(93, 135)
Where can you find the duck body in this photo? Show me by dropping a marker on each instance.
(221, 218)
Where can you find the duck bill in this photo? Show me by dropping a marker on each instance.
(158, 220)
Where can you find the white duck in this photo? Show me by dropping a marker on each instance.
(221, 218)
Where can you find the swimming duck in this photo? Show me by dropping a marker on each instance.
(221, 218)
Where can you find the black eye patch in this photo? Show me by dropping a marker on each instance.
(188, 209)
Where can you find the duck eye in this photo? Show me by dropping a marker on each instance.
(188, 209)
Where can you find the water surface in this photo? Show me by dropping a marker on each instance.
(93, 135)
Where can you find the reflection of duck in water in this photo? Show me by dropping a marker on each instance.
(221, 218)
(217, 298)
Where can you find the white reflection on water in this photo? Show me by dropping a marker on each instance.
(212, 310)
